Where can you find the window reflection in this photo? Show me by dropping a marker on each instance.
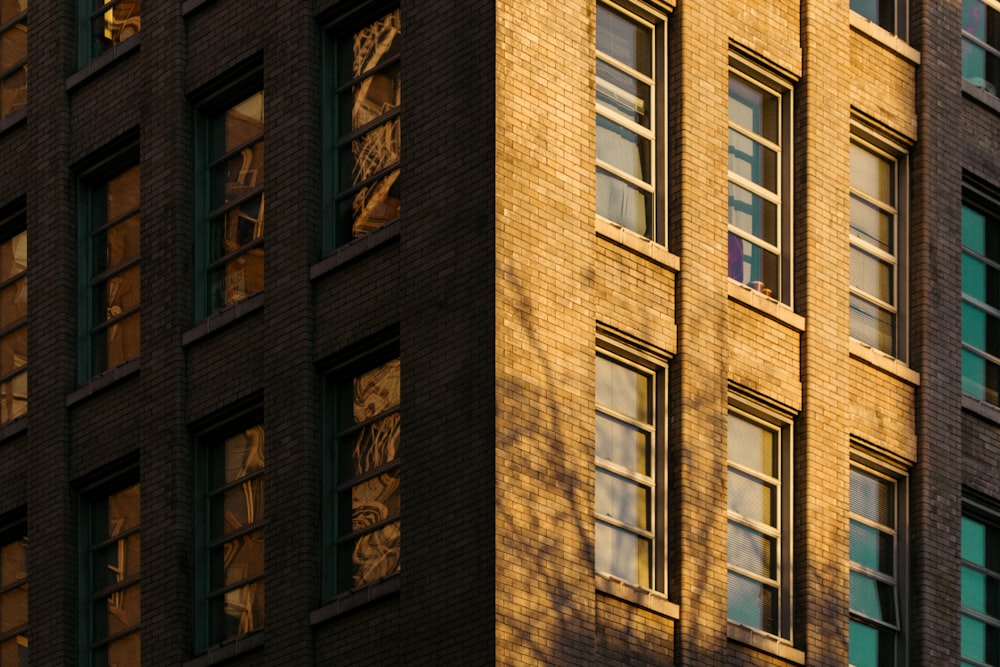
(13, 55)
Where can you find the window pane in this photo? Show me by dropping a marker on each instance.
(14, 256)
(11, 8)
(753, 161)
(370, 557)
(240, 456)
(753, 214)
(974, 230)
(623, 444)
(115, 24)
(123, 652)
(623, 389)
(872, 548)
(238, 560)
(371, 98)
(752, 445)
(754, 109)
(623, 149)
(14, 350)
(375, 500)
(872, 275)
(371, 46)
(376, 391)
(624, 94)
(872, 174)
(873, 498)
(872, 224)
(13, 562)
(14, 608)
(980, 641)
(753, 498)
(873, 598)
(752, 265)
(973, 541)
(872, 647)
(624, 39)
(752, 603)
(622, 499)
(623, 554)
(625, 204)
(238, 611)
(14, 652)
(873, 325)
(752, 551)
(14, 397)
(235, 177)
(115, 613)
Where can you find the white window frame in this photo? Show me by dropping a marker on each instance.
(873, 466)
(752, 74)
(656, 21)
(656, 370)
(780, 424)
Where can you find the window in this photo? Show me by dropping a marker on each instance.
(980, 301)
(110, 259)
(230, 255)
(630, 118)
(366, 103)
(232, 568)
(13, 318)
(877, 507)
(104, 24)
(14, 597)
(980, 588)
(888, 14)
(366, 466)
(13, 55)
(759, 201)
(629, 452)
(112, 568)
(877, 243)
(759, 550)
(981, 44)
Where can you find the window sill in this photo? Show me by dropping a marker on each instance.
(640, 245)
(641, 597)
(222, 652)
(223, 319)
(351, 600)
(981, 95)
(191, 6)
(13, 118)
(103, 381)
(881, 36)
(884, 362)
(16, 427)
(987, 411)
(104, 60)
(356, 248)
(762, 641)
(766, 306)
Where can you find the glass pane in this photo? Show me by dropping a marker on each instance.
(624, 94)
(980, 378)
(374, 445)
(14, 350)
(753, 161)
(240, 456)
(872, 276)
(124, 652)
(119, 294)
(14, 91)
(13, 562)
(13, 256)
(372, 152)
(375, 500)
(753, 498)
(123, 195)
(976, 639)
(13, 46)
(753, 603)
(623, 444)
(372, 97)
(14, 652)
(754, 109)
(11, 8)
(234, 178)
(623, 554)
(374, 392)
(238, 559)
(753, 214)
(872, 224)
(14, 608)
(973, 541)
(625, 204)
(752, 265)
(243, 123)
(974, 590)
(873, 497)
(753, 551)
(116, 562)
(238, 227)
(872, 548)
(13, 302)
(873, 325)
(119, 22)
(372, 206)
(116, 344)
(753, 446)
(118, 612)
(873, 598)
(116, 514)
(622, 499)
(624, 39)
(623, 149)
(872, 647)
(238, 507)
(624, 389)
(872, 175)
(239, 278)
(372, 45)
(370, 557)
(238, 611)
(14, 397)
(974, 231)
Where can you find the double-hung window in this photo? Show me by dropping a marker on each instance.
(980, 588)
(877, 507)
(981, 300)
(13, 318)
(110, 256)
(104, 24)
(111, 569)
(877, 243)
(759, 543)
(13, 55)
(14, 597)
(759, 197)
(365, 159)
(630, 118)
(888, 14)
(629, 453)
(230, 255)
(365, 460)
(231, 568)
(981, 44)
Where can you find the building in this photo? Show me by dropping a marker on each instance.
(507, 398)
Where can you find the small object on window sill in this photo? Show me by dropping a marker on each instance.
(758, 285)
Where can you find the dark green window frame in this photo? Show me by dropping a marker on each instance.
(109, 287)
(14, 593)
(361, 133)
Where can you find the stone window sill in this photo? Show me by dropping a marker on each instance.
(766, 306)
(881, 36)
(987, 411)
(102, 61)
(223, 318)
(762, 641)
(231, 649)
(350, 600)
(356, 248)
(982, 96)
(640, 245)
(884, 362)
(103, 381)
(642, 597)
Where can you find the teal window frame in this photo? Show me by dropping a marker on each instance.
(96, 280)
(14, 72)
(764, 565)
(14, 592)
(337, 168)
(980, 571)
(101, 550)
(878, 580)
(981, 297)
(630, 463)
(890, 15)
(223, 211)
(103, 25)
(13, 314)
(631, 118)
(344, 431)
(981, 44)
(214, 503)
